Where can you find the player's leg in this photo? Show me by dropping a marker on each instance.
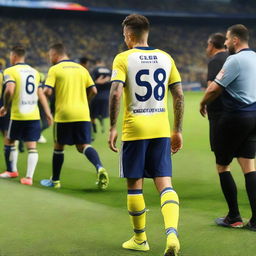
(170, 211)
(10, 151)
(31, 162)
(228, 139)
(57, 162)
(93, 156)
(229, 190)
(248, 168)
(62, 133)
(30, 135)
(137, 211)
(159, 166)
(134, 172)
(82, 139)
(11, 157)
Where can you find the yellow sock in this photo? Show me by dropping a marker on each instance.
(170, 210)
(137, 212)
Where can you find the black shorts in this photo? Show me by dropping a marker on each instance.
(99, 108)
(71, 133)
(235, 137)
(213, 126)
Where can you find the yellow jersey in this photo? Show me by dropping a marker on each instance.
(146, 73)
(24, 102)
(1, 83)
(70, 81)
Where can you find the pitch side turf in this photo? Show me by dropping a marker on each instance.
(79, 220)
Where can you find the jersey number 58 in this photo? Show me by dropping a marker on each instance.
(159, 89)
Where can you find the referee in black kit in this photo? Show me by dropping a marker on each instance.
(236, 129)
(217, 53)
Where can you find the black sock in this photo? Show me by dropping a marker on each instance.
(250, 184)
(57, 161)
(229, 190)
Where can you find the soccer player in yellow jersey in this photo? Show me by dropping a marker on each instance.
(73, 87)
(144, 75)
(21, 94)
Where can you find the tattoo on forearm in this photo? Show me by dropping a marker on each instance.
(178, 106)
(114, 102)
(7, 100)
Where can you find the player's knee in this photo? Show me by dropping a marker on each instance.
(83, 148)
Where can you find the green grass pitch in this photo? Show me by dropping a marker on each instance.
(80, 220)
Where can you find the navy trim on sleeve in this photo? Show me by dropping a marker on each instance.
(93, 85)
(12, 81)
(120, 81)
(48, 86)
(174, 84)
(218, 83)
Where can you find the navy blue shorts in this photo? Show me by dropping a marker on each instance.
(4, 123)
(72, 133)
(28, 130)
(99, 108)
(146, 158)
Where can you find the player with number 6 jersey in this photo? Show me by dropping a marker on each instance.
(21, 95)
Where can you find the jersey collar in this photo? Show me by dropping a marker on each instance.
(144, 48)
(65, 61)
(20, 63)
(245, 49)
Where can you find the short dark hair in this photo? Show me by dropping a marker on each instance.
(19, 50)
(139, 24)
(240, 31)
(218, 40)
(59, 48)
(83, 60)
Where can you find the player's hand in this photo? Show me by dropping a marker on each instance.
(112, 139)
(3, 111)
(203, 109)
(176, 142)
(49, 119)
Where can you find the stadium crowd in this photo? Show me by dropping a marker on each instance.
(191, 6)
(102, 39)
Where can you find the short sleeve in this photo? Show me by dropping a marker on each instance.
(88, 79)
(119, 69)
(8, 76)
(51, 78)
(174, 74)
(228, 73)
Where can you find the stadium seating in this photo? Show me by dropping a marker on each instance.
(186, 43)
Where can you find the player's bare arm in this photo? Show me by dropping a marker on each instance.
(8, 94)
(48, 91)
(114, 108)
(178, 109)
(91, 92)
(43, 100)
(212, 92)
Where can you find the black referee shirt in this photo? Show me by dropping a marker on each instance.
(214, 66)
